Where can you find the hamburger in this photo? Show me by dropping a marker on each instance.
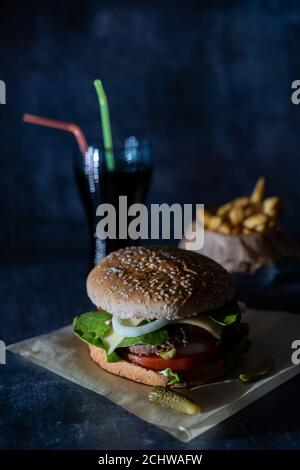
(164, 316)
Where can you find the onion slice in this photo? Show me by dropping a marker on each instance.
(123, 329)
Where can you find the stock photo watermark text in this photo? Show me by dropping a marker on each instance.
(161, 221)
(2, 352)
(296, 353)
(2, 92)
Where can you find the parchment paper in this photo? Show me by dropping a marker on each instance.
(272, 334)
(245, 253)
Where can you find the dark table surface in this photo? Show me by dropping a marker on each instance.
(40, 410)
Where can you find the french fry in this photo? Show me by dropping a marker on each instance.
(254, 220)
(237, 230)
(244, 215)
(224, 228)
(261, 228)
(250, 209)
(241, 202)
(258, 191)
(271, 206)
(247, 231)
(236, 216)
(214, 222)
(224, 209)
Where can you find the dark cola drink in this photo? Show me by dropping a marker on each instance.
(131, 178)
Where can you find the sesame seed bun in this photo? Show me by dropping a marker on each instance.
(158, 282)
(210, 373)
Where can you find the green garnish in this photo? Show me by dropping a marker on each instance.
(156, 338)
(174, 378)
(91, 327)
(226, 315)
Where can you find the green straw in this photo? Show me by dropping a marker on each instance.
(106, 130)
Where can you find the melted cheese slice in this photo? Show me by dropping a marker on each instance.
(203, 321)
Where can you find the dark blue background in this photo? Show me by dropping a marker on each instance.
(209, 82)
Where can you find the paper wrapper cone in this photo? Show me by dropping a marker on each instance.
(245, 253)
(271, 334)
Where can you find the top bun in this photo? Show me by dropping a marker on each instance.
(158, 282)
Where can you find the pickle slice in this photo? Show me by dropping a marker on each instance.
(259, 373)
(168, 354)
(168, 399)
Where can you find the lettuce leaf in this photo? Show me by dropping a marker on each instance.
(224, 319)
(91, 327)
(227, 314)
(174, 378)
(156, 338)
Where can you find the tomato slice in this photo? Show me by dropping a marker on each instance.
(185, 360)
(178, 364)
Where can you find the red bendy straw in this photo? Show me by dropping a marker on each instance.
(64, 126)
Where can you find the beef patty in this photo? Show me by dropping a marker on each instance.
(182, 335)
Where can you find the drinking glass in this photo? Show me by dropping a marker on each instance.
(131, 177)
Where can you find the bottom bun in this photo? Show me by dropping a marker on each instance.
(193, 378)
